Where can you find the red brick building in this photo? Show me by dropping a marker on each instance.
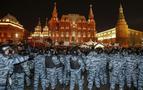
(71, 28)
(121, 34)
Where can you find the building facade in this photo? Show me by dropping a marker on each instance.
(74, 28)
(71, 28)
(10, 29)
(121, 34)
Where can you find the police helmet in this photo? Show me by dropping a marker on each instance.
(3, 48)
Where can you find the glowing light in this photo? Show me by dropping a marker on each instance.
(7, 20)
(84, 28)
(12, 25)
(16, 35)
(88, 34)
(73, 33)
(79, 34)
(41, 35)
(99, 46)
(67, 34)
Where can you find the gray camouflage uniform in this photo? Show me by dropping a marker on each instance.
(39, 72)
(131, 70)
(93, 67)
(140, 78)
(51, 71)
(117, 74)
(6, 64)
(76, 67)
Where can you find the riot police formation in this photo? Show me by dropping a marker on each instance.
(53, 68)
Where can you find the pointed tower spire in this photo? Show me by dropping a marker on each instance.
(39, 22)
(46, 23)
(91, 15)
(38, 27)
(55, 14)
(122, 29)
(121, 12)
(45, 29)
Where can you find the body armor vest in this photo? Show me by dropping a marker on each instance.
(60, 64)
(18, 68)
(74, 64)
(49, 63)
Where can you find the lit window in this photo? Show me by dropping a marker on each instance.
(79, 21)
(73, 33)
(57, 35)
(79, 34)
(77, 40)
(84, 28)
(67, 34)
(84, 34)
(101, 38)
(16, 35)
(67, 20)
(7, 20)
(88, 34)
(113, 31)
(83, 21)
(67, 27)
(62, 27)
(62, 34)
(9, 35)
(50, 34)
(79, 28)
(109, 32)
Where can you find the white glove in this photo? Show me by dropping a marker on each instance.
(10, 81)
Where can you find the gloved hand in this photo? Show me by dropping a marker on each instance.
(10, 81)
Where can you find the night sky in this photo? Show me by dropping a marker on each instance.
(105, 11)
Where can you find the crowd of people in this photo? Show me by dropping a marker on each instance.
(22, 66)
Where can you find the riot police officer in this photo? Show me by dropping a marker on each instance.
(117, 67)
(39, 70)
(20, 70)
(6, 63)
(93, 68)
(131, 69)
(51, 70)
(76, 66)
